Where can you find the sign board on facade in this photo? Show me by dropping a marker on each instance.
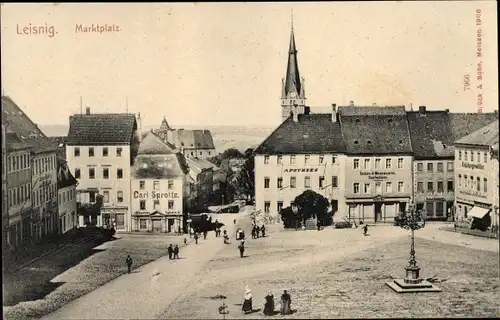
(377, 175)
(301, 170)
(472, 165)
(155, 195)
(435, 198)
(473, 193)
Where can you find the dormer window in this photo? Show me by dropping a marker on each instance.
(357, 120)
(390, 120)
(355, 141)
(369, 142)
(400, 141)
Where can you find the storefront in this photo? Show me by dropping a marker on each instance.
(157, 222)
(376, 209)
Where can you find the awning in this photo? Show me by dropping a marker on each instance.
(478, 212)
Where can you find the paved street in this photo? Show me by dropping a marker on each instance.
(149, 290)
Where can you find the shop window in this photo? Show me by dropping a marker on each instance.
(143, 224)
(439, 209)
(429, 208)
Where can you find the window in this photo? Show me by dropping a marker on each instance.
(119, 196)
(430, 167)
(449, 186)
(478, 184)
(356, 164)
(472, 156)
(335, 181)
(105, 173)
(91, 151)
(267, 206)
(170, 185)
(430, 186)
(420, 187)
(105, 197)
(485, 187)
(143, 224)
(466, 181)
(471, 182)
(449, 166)
(156, 205)
(77, 152)
(355, 187)
(460, 155)
(77, 173)
(478, 156)
(321, 182)
(429, 208)
(485, 157)
(279, 206)
(142, 184)
(119, 173)
(420, 166)
(440, 187)
(142, 204)
(388, 163)
(293, 182)
(440, 167)
(92, 195)
(388, 187)
(279, 183)
(156, 185)
(321, 159)
(400, 163)
(439, 208)
(91, 173)
(266, 159)
(367, 188)
(377, 163)
(401, 186)
(279, 159)
(292, 159)
(118, 152)
(465, 156)
(105, 151)
(307, 182)
(367, 164)
(266, 182)
(307, 158)
(334, 159)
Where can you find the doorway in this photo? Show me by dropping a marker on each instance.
(156, 225)
(170, 225)
(335, 206)
(378, 211)
(402, 207)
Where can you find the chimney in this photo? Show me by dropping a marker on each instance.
(139, 126)
(334, 112)
(447, 110)
(351, 103)
(295, 114)
(87, 110)
(421, 110)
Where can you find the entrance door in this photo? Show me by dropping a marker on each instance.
(156, 225)
(402, 207)
(378, 211)
(170, 225)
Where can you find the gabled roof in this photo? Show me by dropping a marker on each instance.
(199, 139)
(22, 133)
(375, 130)
(101, 129)
(153, 144)
(64, 176)
(464, 124)
(164, 166)
(312, 133)
(199, 165)
(485, 136)
(431, 134)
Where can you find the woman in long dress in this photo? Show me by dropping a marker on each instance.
(286, 301)
(269, 305)
(247, 301)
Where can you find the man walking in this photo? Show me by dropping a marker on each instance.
(241, 247)
(176, 252)
(170, 251)
(196, 237)
(129, 263)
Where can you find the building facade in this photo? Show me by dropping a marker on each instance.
(66, 196)
(157, 187)
(476, 177)
(201, 171)
(100, 150)
(5, 212)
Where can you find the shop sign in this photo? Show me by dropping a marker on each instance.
(435, 198)
(301, 170)
(473, 193)
(377, 175)
(155, 195)
(472, 165)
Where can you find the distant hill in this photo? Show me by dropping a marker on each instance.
(225, 137)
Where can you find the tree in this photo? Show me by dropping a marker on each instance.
(312, 204)
(289, 217)
(246, 178)
(228, 154)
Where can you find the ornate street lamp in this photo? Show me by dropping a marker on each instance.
(412, 219)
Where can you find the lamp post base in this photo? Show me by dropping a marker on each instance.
(401, 286)
(412, 275)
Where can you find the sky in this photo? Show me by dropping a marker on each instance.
(222, 63)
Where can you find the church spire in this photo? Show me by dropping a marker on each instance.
(292, 80)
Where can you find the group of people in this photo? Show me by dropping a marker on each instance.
(256, 230)
(286, 301)
(173, 252)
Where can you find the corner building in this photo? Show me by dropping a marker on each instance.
(378, 177)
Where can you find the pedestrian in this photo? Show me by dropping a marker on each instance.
(196, 237)
(170, 251)
(263, 230)
(318, 224)
(129, 263)
(269, 304)
(234, 221)
(365, 229)
(241, 247)
(286, 302)
(176, 252)
(257, 231)
(225, 232)
(247, 301)
(205, 235)
(253, 232)
(185, 241)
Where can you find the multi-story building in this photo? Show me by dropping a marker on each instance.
(433, 134)
(33, 180)
(157, 187)
(496, 185)
(5, 213)
(476, 176)
(192, 143)
(378, 179)
(201, 171)
(66, 196)
(100, 150)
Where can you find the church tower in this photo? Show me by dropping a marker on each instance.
(292, 92)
